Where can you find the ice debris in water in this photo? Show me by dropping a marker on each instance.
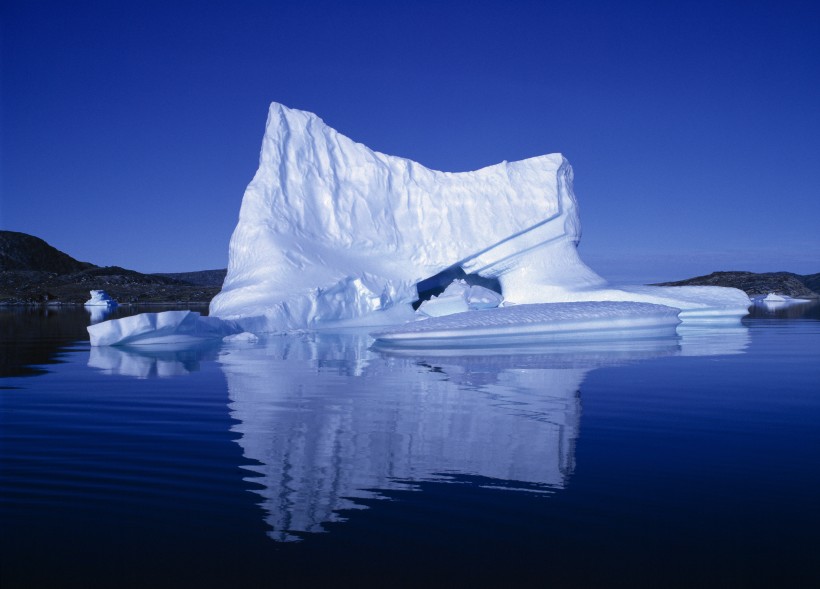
(168, 327)
(100, 298)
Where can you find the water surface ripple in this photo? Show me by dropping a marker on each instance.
(316, 459)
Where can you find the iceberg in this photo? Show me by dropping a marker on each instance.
(100, 305)
(774, 300)
(333, 234)
(168, 327)
(100, 298)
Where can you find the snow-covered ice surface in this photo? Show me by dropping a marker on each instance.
(332, 233)
(712, 304)
(100, 298)
(168, 327)
(546, 322)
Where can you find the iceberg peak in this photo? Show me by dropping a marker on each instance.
(330, 231)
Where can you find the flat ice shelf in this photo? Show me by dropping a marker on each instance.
(541, 322)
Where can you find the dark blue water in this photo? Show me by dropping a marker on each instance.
(313, 460)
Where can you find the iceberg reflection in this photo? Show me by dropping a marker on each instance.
(722, 340)
(329, 421)
(98, 312)
(151, 361)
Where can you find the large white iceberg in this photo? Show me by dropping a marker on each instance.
(333, 233)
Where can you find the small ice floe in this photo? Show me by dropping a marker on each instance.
(544, 322)
(168, 327)
(245, 337)
(459, 297)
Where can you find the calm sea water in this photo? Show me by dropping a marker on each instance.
(314, 460)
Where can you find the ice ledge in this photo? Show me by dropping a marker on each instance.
(546, 322)
(168, 327)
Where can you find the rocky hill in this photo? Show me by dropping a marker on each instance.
(783, 283)
(32, 272)
(21, 252)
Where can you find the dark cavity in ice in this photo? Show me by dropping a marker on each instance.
(435, 285)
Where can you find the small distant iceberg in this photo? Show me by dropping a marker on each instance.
(100, 305)
(168, 327)
(774, 300)
(100, 298)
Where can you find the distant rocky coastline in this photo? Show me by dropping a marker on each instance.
(783, 283)
(34, 273)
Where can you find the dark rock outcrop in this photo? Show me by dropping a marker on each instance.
(20, 251)
(783, 283)
(202, 278)
(33, 272)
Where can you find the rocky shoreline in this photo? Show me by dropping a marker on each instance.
(125, 286)
(797, 286)
(34, 273)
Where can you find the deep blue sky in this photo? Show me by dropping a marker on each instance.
(130, 129)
